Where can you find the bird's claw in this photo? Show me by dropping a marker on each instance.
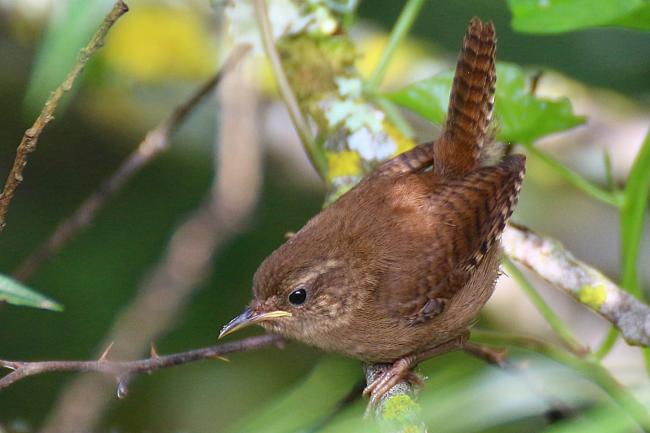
(398, 372)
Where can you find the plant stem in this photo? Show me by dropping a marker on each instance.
(611, 198)
(590, 369)
(316, 156)
(632, 215)
(607, 344)
(400, 30)
(554, 321)
(394, 115)
(609, 175)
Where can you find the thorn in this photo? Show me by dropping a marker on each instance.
(220, 358)
(10, 365)
(153, 352)
(534, 81)
(105, 353)
(123, 386)
(122, 390)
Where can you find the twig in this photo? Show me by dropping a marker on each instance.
(30, 137)
(551, 261)
(299, 121)
(155, 142)
(125, 371)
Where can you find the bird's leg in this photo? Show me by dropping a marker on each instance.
(497, 357)
(402, 369)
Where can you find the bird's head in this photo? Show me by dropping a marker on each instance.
(299, 291)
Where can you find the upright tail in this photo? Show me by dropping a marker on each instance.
(466, 129)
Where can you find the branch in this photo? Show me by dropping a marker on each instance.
(397, 409)
(30, 137)
(125, 371)
(551, 261)
(155, 142)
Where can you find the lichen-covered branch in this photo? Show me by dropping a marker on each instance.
(397, 410)
(555, 264)
(30, 137)
(317, 57)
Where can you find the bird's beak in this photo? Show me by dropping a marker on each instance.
(250, 317)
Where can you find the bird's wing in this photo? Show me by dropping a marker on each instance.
(470, 214)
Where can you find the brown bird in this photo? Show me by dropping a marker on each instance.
(396, 270)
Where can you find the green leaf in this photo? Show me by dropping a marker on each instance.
(12, 292)
(601, 419)
(520, 116)
(633, 212)
(71, 25)
(638, 19)
(298, 409)
(554, 16)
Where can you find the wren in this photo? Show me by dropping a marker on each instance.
(397, 269)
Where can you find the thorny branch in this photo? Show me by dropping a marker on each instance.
(30, 137)
(155, 142)
(551, 261)
(125, 371)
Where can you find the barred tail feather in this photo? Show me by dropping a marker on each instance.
(467, 127)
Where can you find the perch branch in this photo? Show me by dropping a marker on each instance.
(125, 371)
(400, 398)
(551, 261)
(155, 142)
(30, 137)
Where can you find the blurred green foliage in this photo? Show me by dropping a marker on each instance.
(521, 116)
(611, 57)
(71, 24)
(555, 16)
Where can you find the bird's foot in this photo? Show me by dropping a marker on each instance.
(401, 370)
(398, 372)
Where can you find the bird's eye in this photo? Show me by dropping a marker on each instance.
(298, 296)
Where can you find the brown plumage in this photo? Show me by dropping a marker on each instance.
(397, 269)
